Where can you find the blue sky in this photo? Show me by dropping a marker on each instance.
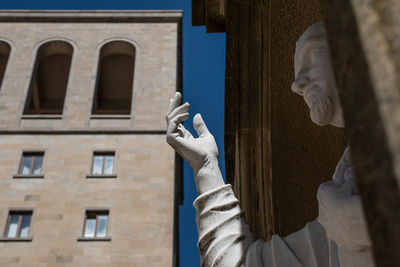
(203, 85)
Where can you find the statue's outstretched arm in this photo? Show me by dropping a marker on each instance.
(224, 237)
(223, 233)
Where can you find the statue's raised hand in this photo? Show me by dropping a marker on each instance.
(201, 152)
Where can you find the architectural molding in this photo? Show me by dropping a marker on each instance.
(102, 16)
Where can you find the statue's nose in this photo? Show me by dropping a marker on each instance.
(299, 85)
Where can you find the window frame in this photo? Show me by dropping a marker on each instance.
(97, 212)
(103, 154)
(20, 213)
(34, 154)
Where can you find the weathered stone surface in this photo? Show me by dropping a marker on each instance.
(364, 42)
(64, 259)
(32, 197)
(209, 13)
(8, 260)
(198, 13)
(215, 15)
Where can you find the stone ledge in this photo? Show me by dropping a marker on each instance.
(112, 16)
(110, 117)
(28, 176)
(90, 239)
(42, 117)
(101, 176)
(16, 239)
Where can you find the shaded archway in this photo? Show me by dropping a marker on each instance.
(114, 86)
(50, 78)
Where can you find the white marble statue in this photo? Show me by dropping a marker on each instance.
(337, 238)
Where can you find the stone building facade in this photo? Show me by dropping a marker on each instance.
(86, 176)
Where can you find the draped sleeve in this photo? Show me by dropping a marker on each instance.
(224, 236)
(226, 241)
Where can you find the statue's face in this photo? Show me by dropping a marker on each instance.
(314, 80)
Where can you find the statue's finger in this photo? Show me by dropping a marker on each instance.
(172, 139)
(184, 133)
(179, 110)
(181, 145)
(174, 103)
(175, 121)
(200, 126)
(180, 118)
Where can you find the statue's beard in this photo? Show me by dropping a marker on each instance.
(321, 104)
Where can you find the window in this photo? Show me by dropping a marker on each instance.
(103, 163)
(18, 224)
(95, 224)
(49, 79)
(4, 55)
(113, 94)
(31, 163)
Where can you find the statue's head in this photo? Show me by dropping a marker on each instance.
(314, 78)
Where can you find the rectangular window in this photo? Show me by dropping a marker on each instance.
(31, 163)
(103, 163)
(18, 224)
(95, 224)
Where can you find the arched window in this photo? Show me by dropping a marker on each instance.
(4, 55)
(49, 79)
(113, 94)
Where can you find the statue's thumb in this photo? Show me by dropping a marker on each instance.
(199, 125)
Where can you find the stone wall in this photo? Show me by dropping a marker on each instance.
(142, 198)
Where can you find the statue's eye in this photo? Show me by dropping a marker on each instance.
(315, 54)
(303, 75)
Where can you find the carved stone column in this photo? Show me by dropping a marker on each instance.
(364, 38)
